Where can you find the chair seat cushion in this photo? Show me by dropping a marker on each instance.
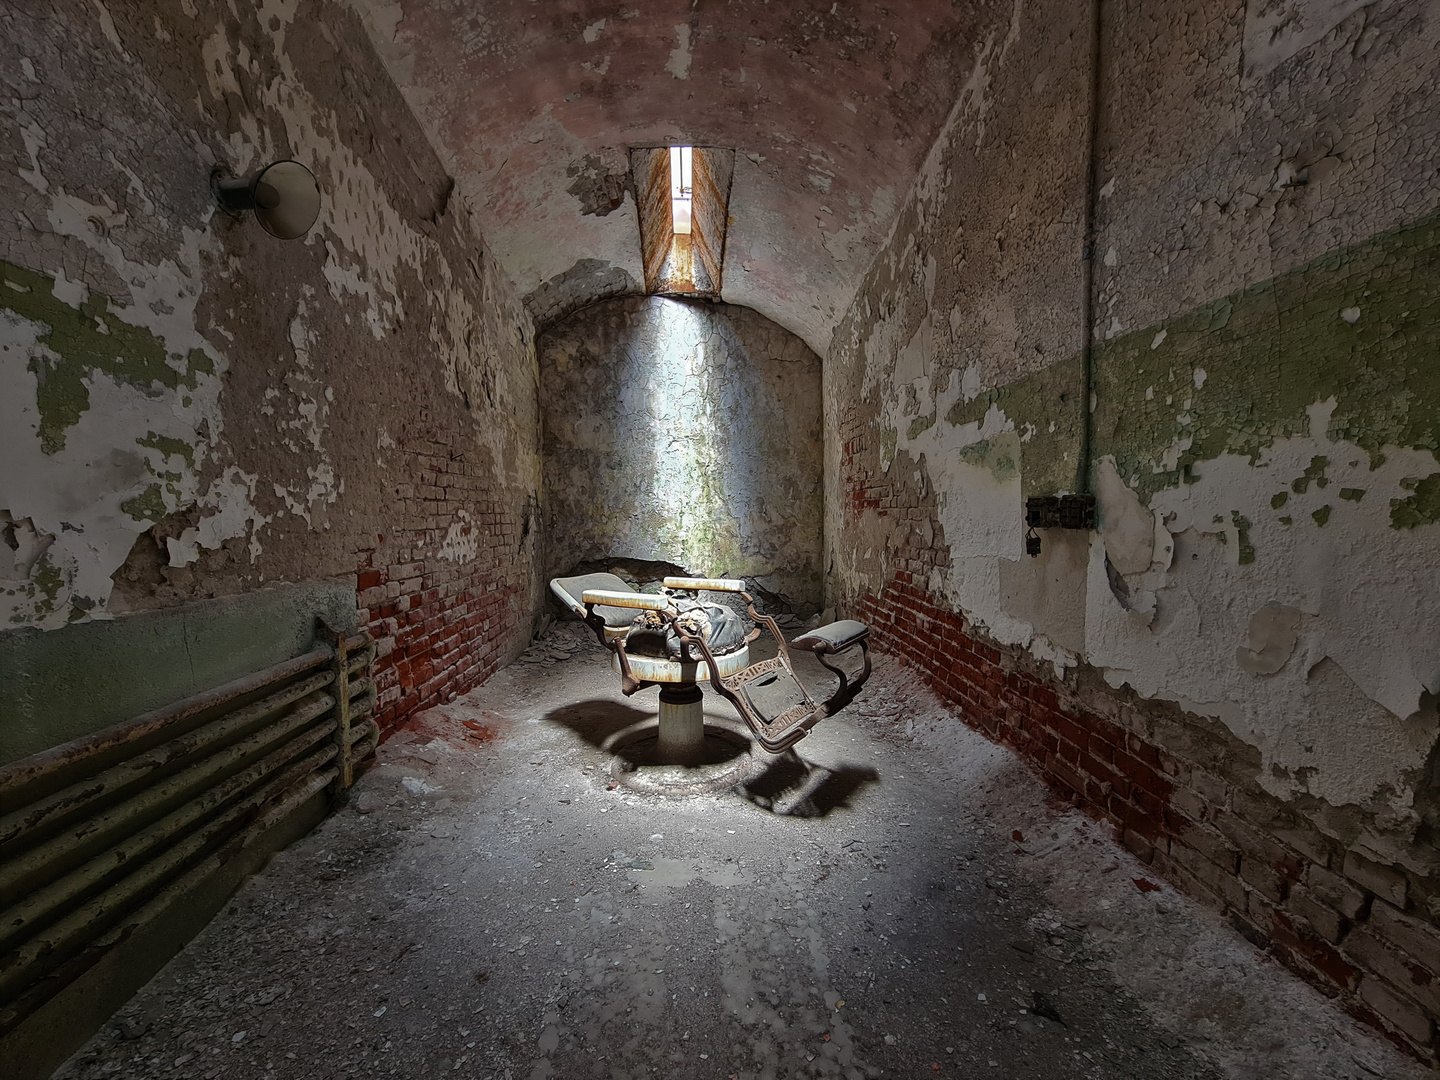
(721, 628)
(832, 637)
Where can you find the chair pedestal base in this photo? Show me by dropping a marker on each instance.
(725, 757)
(681, 733)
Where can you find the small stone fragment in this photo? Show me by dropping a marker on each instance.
(1043, 1006)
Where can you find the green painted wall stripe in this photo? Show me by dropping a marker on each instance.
(83, 340)
(1361, 324)
(62, 684)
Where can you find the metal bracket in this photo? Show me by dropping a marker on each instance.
(1060, 512)
(341, 689)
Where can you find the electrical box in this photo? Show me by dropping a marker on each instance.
(1056, 512)
(1060, 512)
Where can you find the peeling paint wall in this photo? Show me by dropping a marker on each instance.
(686, 433)
(1265, 400)
(190, 408)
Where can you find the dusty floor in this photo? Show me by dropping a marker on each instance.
(488, 905)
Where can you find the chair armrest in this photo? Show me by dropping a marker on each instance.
(833, 637)
(709, 584)
(606, 598)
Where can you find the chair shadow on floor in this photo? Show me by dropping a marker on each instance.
(786, 784)
(598, 719)
(629, 733)
(793, 787)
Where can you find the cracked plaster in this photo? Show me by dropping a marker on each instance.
(1276, 445)
(830, 110)
(139, 323)
(685, 433)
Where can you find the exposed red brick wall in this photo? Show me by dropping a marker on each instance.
(866, 493)
(444, 625)
(1353, 927)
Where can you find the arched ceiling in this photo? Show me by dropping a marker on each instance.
(533, 104)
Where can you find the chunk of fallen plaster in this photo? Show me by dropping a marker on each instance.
(416, 786)
(1126, 526)
(24, 544)
(1270, 639)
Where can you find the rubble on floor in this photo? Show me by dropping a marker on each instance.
(898, 897)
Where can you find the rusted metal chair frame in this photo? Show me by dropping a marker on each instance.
(615, 642)
(777, 734)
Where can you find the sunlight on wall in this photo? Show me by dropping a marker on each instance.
(686, 433)
(688, 482)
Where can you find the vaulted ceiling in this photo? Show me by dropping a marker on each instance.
(533, 104)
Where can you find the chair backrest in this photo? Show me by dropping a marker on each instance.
(569, 590)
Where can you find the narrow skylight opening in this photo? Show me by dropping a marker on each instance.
(682, 196)
(681, 188)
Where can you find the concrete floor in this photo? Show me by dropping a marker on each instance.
(898, 900)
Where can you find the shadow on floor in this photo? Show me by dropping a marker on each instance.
(794, 787)
(788, 785)
(598, 719)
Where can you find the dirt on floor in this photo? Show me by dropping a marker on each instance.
(897, 897)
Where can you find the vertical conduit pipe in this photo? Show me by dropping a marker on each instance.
(1087, 260)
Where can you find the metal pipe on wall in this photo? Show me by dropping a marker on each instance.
(1087, 258)
(61, 806)
(51, 900)
(36, 957)
(87, 856)
(17, 775)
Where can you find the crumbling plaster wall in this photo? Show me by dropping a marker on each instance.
(191, 408)
(686, 433)
(1266, 395)
(828, 106)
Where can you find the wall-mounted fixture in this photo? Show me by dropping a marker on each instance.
(284, 196)
(1056, 512)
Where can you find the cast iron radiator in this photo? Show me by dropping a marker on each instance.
(102, 835)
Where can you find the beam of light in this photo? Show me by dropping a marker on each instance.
(689, 440)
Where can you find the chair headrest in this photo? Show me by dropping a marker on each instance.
(569, 590)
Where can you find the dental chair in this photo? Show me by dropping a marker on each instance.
(677, 642)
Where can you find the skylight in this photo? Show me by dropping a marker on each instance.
(682, 198)
(682, 187)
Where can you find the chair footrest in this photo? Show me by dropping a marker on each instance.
(778, 735)
(773, 703)
(785, 731)
(832, 637)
